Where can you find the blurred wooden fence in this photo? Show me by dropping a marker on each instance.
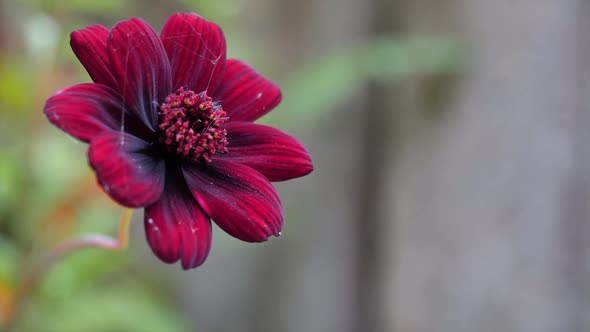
(455, 204)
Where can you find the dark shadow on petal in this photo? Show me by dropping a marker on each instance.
(245, 95)
(239, 199)
(141, 67)
(90, 46)
(275, 154)
(196, 49)
(88, 110)
(176, 227)
(126, 169)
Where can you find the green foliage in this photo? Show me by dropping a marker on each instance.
(10, 180)
(101, 308)
(14, 81)
(102, 7)
(57, 162)
(214, 10)
(8, 262)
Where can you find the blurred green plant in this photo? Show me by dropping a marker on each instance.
(102, 7)
(83, 294)
(92, 290)
(221, 10)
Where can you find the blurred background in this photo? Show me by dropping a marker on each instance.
(451, 185)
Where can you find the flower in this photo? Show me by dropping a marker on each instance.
(170, 125)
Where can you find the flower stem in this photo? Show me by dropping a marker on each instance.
(65, 248)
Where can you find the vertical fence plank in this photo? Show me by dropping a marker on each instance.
(480, 184)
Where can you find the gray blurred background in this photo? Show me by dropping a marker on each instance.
(451, 200)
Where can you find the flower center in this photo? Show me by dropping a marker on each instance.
(191, 125)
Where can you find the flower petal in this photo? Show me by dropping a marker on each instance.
(126, 170)
(196, 49)
(177, 228)
(245, 94)
(141, 67)
(87, 110)
(90, 46)
(275, 154)
(240, 200)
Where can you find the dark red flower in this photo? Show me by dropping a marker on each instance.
(170, 125)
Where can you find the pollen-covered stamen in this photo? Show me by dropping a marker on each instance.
(191, 125)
